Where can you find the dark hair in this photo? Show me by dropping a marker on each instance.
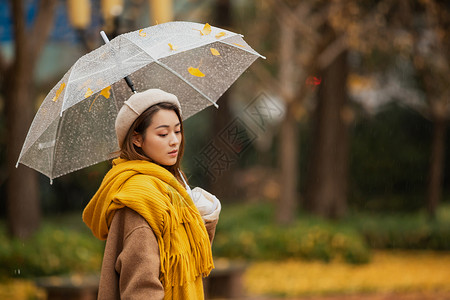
(132, 152)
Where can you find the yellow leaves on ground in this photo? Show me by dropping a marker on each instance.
(20, 289)
(389, 271)
(58, 92)
(195, 72)
(214, 52)
(220, 34)
(172, 47)
(142, 33)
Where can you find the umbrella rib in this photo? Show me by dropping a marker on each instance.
(184, 80)
(72, 69)
(53, 151)
(176, 74)
(244, 49)
(187, 47)
(109, 68)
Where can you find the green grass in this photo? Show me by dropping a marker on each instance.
(404, 231)
(64, 244)
(61, 246)
(249, 232)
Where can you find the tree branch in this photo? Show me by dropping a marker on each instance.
(42, 27)
(333, 50)
(3, 65)
(19, 27)
(264, 76)
(288, 18)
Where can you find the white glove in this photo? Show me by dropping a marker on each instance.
(207, 204)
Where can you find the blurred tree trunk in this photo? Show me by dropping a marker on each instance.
(436, 165)
(161, 11)
(23, 203)
(326, 191)
(289, 138)
(430, 55)
(433, 66)
(222, 185)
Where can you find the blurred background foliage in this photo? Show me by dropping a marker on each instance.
(246, 232)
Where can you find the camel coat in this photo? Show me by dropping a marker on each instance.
(131, 263)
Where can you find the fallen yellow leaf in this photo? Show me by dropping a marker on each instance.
(172, 47)
(88, 93)
(238, 45)
(206, 30)
(214, 51)
(106, 92)
(220, 34)
(142, 33)
(58, 92)
(195, 72)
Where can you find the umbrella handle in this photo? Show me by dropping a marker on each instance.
(127, 79)
(130, 84)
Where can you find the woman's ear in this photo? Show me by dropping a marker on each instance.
(137, 139)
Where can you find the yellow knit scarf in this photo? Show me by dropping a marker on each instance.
(154, 193)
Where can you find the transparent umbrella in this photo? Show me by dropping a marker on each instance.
(74, 126)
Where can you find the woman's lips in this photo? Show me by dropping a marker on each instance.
(173, 153)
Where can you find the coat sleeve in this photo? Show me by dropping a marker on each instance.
(138, 266)
(211, 229)
(131, 264)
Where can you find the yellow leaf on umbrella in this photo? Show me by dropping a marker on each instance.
(88, 93)
(106, 92)
(206, 30)
(195, 72)
(220, 34)
(172, 47)
(214, 51)
(58, 92)
(239, 45)
(142, 33)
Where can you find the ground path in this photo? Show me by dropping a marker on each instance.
(388, 296)
(399, 275)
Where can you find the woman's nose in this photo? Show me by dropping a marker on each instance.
(174, 140)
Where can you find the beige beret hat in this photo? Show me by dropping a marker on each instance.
(136, 105)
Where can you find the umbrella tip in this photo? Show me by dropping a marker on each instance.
(104, 37)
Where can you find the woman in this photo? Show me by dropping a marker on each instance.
(157, 240)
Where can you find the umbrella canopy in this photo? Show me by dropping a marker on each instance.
(74, 127)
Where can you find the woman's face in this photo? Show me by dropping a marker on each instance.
(162, 138)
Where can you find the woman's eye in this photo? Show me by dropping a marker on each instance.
(177, 132)
(162, 135)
